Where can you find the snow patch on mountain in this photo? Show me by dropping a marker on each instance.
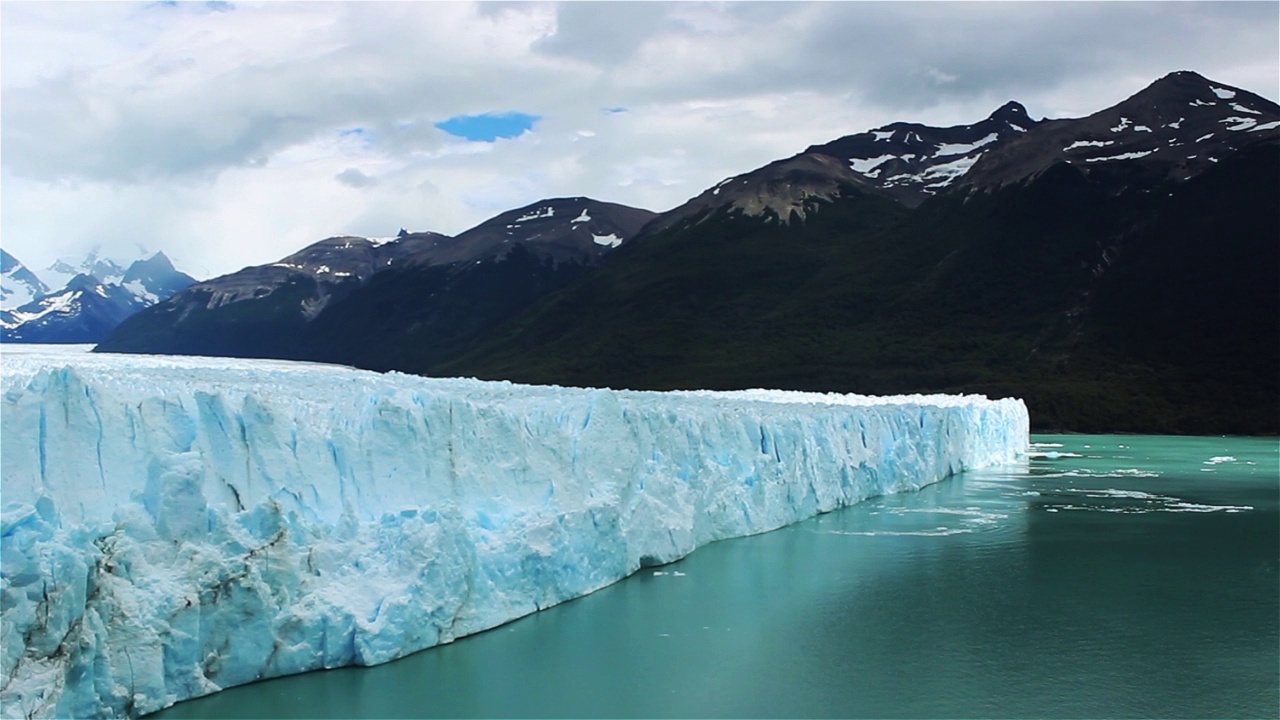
(1240, 123)
(1121, 156)
(61, 303)
(545, 212)
(963, 148)
(866, 165)
(141, 292)
(1089, 143)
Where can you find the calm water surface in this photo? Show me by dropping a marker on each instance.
(1112, 576)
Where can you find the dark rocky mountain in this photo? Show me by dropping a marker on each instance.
(578, 229)
(18, 285)
(425, 310)
(1175, 129)
(782, 191)
(87, 308)
(260, 311)
(1123, 293)
(907, 162)
(912, 162)
(439, 286)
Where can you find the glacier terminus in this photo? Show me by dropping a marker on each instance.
(173, 526)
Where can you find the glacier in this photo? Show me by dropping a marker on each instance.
(173, 526)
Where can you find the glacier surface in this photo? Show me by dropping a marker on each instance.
(176, 525)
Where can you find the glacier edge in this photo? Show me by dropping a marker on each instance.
(175, 526)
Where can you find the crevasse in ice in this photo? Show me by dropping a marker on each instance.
(175, 526)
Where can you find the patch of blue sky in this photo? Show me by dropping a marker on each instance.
(488, 127)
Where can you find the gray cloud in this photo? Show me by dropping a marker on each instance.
(605, 33)
(352, 177)
(224, 130)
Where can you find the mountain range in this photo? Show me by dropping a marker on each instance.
(1120, 272)
(95, 295)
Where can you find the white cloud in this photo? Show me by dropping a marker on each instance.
(219, 136)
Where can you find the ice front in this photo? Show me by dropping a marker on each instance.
(175, 526)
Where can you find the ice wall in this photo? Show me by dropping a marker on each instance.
(174, 526)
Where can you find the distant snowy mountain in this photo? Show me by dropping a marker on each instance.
(18, 285)
(106, 270)
(88, 306)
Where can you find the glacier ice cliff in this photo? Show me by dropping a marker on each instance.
(174, 526)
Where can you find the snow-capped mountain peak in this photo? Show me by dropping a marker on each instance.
(911, 161)
(105, 269)
(1175, 128)
(18, 285)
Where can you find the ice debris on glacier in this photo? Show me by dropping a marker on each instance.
(174, 525)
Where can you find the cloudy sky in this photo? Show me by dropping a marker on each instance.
(229, 134)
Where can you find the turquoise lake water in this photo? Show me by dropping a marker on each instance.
(1110, 576)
